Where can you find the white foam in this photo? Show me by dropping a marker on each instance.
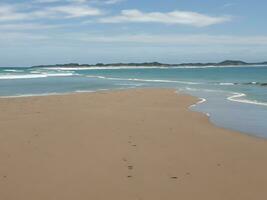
(129, 84)
(84, 91)
(31, 76)
(101, 77)
(237, 98)
(58, 74)
(49, 94)
(205, 90)
(103, 89)
(30, 95)
(201, 100)
(226, 84)
(35, 72)
(22, 76)
(89, 91)
(145, 80)
(12, 70)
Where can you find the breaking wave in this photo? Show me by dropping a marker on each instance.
(30, 76)
(145, 80)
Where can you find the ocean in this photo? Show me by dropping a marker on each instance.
(233, 97)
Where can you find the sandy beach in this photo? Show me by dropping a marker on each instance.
(124, 145)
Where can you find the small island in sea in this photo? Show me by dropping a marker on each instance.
(156, 64)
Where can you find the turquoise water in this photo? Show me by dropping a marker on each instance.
(236, 97)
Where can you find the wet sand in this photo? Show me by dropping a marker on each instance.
(124, 145)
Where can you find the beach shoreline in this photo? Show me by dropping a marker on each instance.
(124, 144)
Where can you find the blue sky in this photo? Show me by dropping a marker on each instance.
(34, 32)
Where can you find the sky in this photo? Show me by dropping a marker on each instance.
(35, 32)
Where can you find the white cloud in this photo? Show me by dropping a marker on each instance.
(175, 17)
(81, 1)
(97, 1)
(113, 1)
(27, 26)
(8, 13)
(18, 13)
(72, 11)
(45, 1)
(228, 5)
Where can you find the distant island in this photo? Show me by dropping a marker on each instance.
(155, 64)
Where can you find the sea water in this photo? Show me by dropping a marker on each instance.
(235, 96)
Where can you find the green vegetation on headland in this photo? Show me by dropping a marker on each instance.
(156, 64)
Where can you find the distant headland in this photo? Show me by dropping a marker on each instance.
(155, 64)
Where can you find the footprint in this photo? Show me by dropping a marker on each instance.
(174, 177)
(130, 167)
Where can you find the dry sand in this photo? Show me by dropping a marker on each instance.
(124, 145)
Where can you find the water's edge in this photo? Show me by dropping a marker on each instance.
(191, 108)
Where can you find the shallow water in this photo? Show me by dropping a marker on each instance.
(236, 96)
